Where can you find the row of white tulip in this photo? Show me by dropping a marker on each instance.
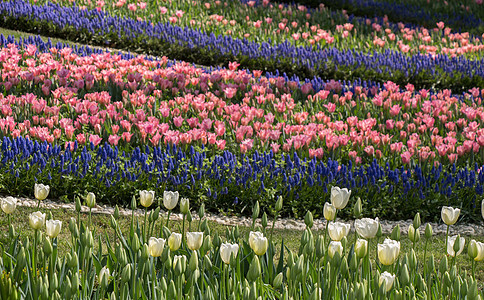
(145, 263)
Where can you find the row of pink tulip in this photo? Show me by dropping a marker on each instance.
(62, 97)
(295, 23)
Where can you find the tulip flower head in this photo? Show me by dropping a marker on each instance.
(91, 200)
(450, 245)
(477, 249)
(329, 211)
(53, 228)
(37, 220)
(337, 230)
(258, 242)
(170, 199)
(174, 241)
(450, 215)
(155, 246)
(361, 247)
(339, 197)
(387, 280)
(388, 252)
(194, 240)
(146, 198)
(184, 205)
(366, 227)
(104, 273)
(8, 205)
(334, 247)
(227, 250)
(41, 191)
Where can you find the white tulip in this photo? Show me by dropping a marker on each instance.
(450, 215)
(258, 243)
(37, 220)
(174, 241)
(91, 200)
(480, 251)
(41, 191)
(227, 250)
(334, 247)
(194, 240)
(387, 279)
(482, 208)
(184, 205)
(337, 230)
(388, 251)
(181, 258)
(339, 197)
(366, 227)
(450, 245)
(361, 247)
(9, 204)
(329, 211)
(156, 246)
(53, 228)
(104, 273)
(170, 199)
(146, 198)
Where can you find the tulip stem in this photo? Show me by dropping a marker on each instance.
(38, 204)
(183, 227)
(145, 236)
(273, 223)
(447, 237)
(473, 270)
(425, 252)
(90, 219)
(34, 250)
(168, 218)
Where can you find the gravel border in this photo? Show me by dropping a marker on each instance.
(284, 223)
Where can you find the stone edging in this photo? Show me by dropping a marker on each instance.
(289, 224)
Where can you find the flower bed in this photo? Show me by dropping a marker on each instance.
(190, 44)
(94, 120)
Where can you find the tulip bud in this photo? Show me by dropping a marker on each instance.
(78, 204)
(279, 203)
(91, 200)
(428, 231)
(443, 267)
(47, 246)
(201, 211)
(171, 294)
(254, 269)
(75, 283)
(353, 263)
(193, 261)
(416, 221)
(472, 249)
(277, 283)
(133, 203)
(255, 210)
(74, 261)
(358, 208)
(236, 232)
(320, 247)
(184, 206)
(457, 244)
(135, 244)
(189, 217)
(11, 231)
(116, 212)
(113, 223)
(264, 220)
(379, 232)
(156, 214)
(308, 219)
(411, 233)
(361, 248)
(126, 273)
(431, 264)
(145, 252)
(207, 244)
(395, 235)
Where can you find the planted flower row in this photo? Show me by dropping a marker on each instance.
(276, 23)
(230, 182)
(153, 262)
(60, 97)
(194, 45)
